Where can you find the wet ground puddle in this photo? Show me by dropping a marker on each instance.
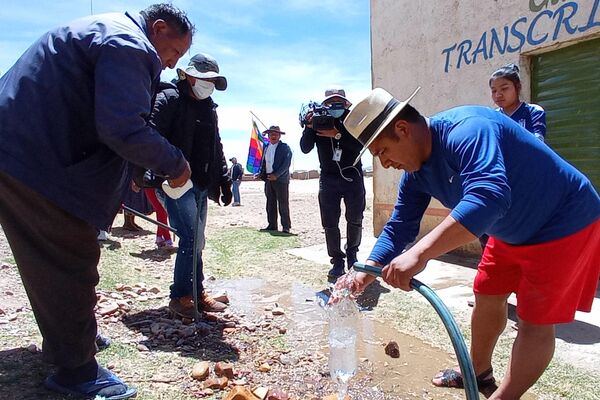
(379, 376)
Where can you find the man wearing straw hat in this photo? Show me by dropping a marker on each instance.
(275, 171)
(542, 216)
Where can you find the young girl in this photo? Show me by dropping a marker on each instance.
(505, 85)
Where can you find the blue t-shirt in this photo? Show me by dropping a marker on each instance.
(531, 117)
(496, 178)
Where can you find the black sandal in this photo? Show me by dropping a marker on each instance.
(453, 379)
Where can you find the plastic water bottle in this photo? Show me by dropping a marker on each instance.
(343, 363)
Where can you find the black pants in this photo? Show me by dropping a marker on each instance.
(332, 189)
(278, 196)
(57, 256)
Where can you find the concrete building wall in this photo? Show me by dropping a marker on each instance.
(450, 48)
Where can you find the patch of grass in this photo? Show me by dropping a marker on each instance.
(118, 266)
(234, 252)
(278, 343)
(8, 260)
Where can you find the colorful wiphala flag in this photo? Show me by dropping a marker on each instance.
(255, 150)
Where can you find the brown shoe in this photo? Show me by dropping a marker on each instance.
(182, 306)
(208, 304)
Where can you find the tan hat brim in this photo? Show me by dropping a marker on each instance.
(395, 111)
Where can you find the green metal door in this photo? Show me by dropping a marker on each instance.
(566, 83)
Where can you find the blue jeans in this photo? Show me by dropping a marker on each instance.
(182, 215)
(235, 188)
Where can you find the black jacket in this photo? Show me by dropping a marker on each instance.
(326, 146)
(237, 172)
(192, 126)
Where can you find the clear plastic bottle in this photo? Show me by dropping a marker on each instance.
(343, 362)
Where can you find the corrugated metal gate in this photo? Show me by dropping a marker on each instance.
(566, 82)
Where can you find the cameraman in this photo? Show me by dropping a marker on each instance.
(339, 179)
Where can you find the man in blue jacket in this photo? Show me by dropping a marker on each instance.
(275, 171)
(73, 114)
(542, 216)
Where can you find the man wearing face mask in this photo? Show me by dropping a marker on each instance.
(339, 179)
(186, 115)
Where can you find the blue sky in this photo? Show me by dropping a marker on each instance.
(276, 55)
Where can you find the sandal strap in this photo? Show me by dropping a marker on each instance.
(486, 378)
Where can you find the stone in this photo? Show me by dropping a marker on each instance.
(33, 348)
(240, 393)
(154, 290)
(285, 359)
(155, 328)
(224, 369)
(278, 311)
(277, 394)
(201, 370)
(392, 349)
(216, 383)
(335, 397)
(282, 330)
(142, 348)
(108, 309)
(264, 367)
(261, 392)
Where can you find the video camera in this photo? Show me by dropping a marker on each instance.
(322, 118)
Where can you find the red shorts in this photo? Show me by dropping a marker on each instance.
(552, 280)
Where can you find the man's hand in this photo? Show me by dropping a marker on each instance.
(272, 177)
(183, 178)
(328, 133)
(356, 286)
(135, 187)
(401, 269)
(226, 195)
(308, 120)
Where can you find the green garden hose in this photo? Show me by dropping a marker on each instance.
(462, 353)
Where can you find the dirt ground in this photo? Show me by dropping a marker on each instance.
(274, 336)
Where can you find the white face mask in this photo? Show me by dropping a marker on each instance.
(203, 89)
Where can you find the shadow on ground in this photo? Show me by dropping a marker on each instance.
(124, 233)
(576, 332)
(203, 340)
(110, 244)
(158, 254)
(22, 374)
(370, 297)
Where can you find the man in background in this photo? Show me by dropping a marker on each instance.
(73, 114)
(339, 180)
(237, 173)
(275, 171)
